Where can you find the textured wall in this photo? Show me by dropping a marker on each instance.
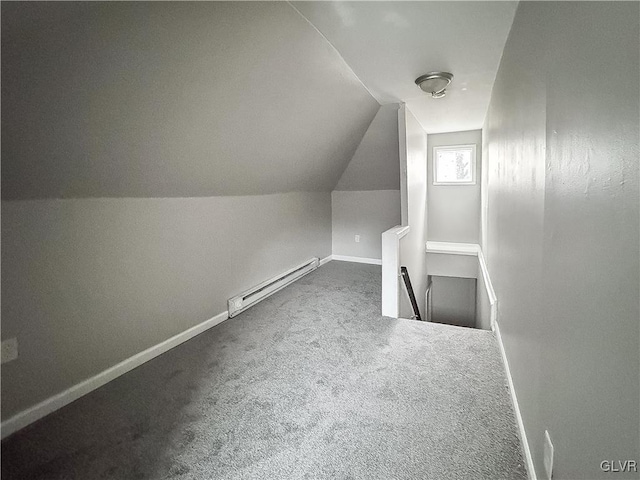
(88, 283)
(562, 229)
(454, 210)
(173, 99)
(367, 214)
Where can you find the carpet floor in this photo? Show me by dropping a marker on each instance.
(310, 383)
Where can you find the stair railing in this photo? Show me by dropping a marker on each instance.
(412, 296)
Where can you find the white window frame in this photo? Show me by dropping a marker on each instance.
(472, 146)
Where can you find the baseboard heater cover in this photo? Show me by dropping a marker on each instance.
(250, 297)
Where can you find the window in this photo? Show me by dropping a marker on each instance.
(455, 165)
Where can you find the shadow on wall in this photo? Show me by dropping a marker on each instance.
(453, 301)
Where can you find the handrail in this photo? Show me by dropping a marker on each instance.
(471, 249)
(412, 296)
(487, 280)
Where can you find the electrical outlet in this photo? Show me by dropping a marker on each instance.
(9, 349)
(357, 238)
(548, 455)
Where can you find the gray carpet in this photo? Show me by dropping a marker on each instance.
(310, 383)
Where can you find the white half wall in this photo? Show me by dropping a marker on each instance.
(366, 214)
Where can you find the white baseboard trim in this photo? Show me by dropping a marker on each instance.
(51, 404)
(345, 258)
(326, 260)
(531, 471)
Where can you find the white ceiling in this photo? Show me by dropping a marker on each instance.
(389, 44)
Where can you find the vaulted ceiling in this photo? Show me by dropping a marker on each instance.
(171, 99)
(390, 44)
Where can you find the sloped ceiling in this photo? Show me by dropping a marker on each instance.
(376, 163)
(389, 44)
(173, 99)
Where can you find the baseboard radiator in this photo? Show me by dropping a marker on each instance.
(250, 297)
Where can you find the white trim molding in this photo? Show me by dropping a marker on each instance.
(453, 248)
(531, 471)
(346, 258)
(454, 148)
(51, 404)
(325, 260)
(470, 249)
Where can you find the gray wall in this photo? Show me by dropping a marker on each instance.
(173, 99)
(447, 265)
(367, 214)
(453, 301)
(375, 164)
(157, 100)
(562, 228)
(454, 210)
(413, 157)
(366, 200)
(88, 283)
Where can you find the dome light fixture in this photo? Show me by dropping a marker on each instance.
(435, 83)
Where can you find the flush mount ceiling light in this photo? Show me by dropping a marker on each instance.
(435, 83)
